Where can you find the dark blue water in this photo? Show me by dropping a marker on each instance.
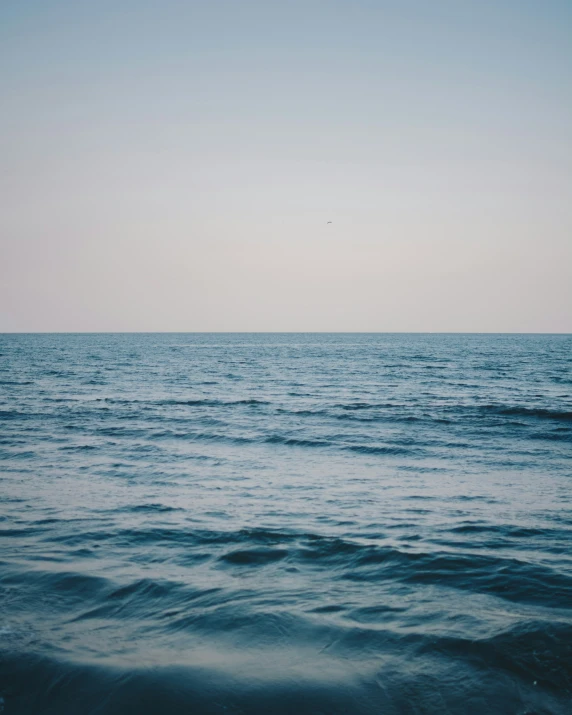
(285, 524)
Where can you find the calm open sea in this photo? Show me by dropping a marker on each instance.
(285, 523)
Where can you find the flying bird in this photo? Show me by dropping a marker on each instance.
(328, 222)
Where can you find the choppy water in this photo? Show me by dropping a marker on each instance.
(285, 524)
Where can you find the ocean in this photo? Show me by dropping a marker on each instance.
(285, 523)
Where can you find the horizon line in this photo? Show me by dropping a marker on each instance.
(280, 332)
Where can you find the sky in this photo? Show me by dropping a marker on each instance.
(173, 165)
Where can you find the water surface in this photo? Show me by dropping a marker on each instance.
(312, 523)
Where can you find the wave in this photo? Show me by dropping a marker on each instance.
(13, 415)
(331, 442)
(150, 508)
(365, 406)
(526, 669)
(213, 403)
(190, 402)
(252, 557)
(296, 441)
(381, 449)
(537, 412)
(505, 577)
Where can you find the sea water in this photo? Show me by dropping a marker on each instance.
(285, 523)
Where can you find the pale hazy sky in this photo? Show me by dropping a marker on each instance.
(171, 165)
